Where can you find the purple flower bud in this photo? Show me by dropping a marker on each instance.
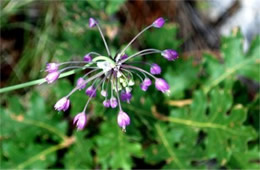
(62, 104)
(126, 96)
(106, 103)
(145, 84)
(87, 58)
(51, 67)
(81, 120)
(113, 102)
(123, 120)
(103, 93)
(162, 85)
(81, 84)
(91, 91)
(51, 77)
(124, 57)
(170, 54)
(92, 22)
(159, 22)
(155, 69)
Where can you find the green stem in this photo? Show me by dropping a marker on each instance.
(40, 81)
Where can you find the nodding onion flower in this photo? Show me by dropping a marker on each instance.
(113, 74)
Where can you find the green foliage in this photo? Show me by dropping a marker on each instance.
(218, 128)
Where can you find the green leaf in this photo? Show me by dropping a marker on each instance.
(79, 155)
(115, 150)
(252, 70)
(234, 60)
(182, 77)
(245, 160)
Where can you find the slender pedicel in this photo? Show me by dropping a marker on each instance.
(117, 95)
(104, 40)
(139, 69)
(95, 53)
(90, 72)
(129, 72)
(138, 75)
(142, 53)
(73, 67)
(86, 81)
(146, 28)
(90, 97)
(74, 62)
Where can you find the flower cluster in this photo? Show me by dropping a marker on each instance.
(114, 75)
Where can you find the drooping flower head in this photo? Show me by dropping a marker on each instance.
(123, 120)
(114, 75)
(106, 103)
(145, 84)
(91, 91)
(62, 105)
(159, 22)
(103, 93)
(162, 85)
(52, 77)
(52, 67)
(87, 58)
(80, 120)
(124, 57)
(81, 83)
(92, 22)
(155, 69)
(126, 96)
(113, 102)
(170, 54)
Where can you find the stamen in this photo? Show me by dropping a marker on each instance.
(129, 72)
(138, 75)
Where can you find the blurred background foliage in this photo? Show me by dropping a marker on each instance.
(210, 120)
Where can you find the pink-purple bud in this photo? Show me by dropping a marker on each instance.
(155, 69)
(103, 93)
(170, 54)
(51, 67)
(162, 85)
(62, 104)
(126, 96)
(123, 120)
(87, 58)
(145, 84)
(91, 91)
(81, 120)
(51, 77)
(106, 103)
(124, 57)
(113, 102)
(92, 22)
(81, 84)
(158, 23)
